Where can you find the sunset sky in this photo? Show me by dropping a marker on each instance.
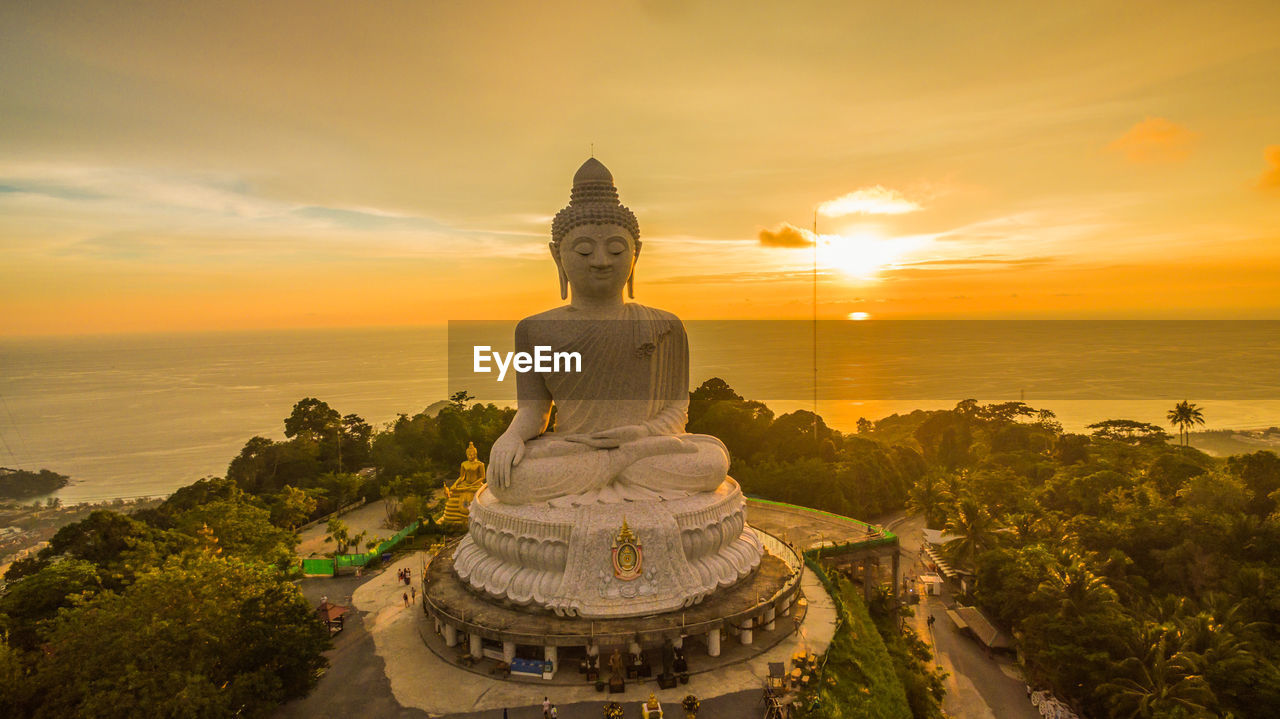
(199, 165)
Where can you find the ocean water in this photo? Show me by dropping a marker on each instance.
(140, 415)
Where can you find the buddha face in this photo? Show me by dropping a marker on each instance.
(597, 260)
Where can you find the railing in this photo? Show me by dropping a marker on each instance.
(874, 535)
(329, 566)
(339, 512)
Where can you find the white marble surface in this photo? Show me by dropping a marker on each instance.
(560, 558)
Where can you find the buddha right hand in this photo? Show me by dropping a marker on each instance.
(505, 454)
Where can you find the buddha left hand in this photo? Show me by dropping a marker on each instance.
(610, 438)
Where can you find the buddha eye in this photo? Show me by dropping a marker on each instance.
(584, 248)
(617, 246)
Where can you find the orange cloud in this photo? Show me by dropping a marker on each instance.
(1155, 140)
(787, 235)
(1270, 179)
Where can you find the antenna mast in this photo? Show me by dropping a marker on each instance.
(815, 329)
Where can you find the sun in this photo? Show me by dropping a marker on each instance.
(863, 254)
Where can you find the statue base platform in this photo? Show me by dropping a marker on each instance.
(610, 560)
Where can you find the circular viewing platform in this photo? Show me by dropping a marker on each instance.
(501, 631)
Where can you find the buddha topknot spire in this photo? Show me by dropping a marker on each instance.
(593, 200)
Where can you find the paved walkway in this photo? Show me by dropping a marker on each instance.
(370, 517)
(421, 679)
(978, 687)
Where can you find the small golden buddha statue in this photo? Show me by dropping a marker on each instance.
(470, 479)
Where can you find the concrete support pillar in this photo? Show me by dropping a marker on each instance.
(550, 654)
(770, 615)
(508, 651)
(868, 579)
(746, 636)
(477, 647)
(450, 636)
(713, 643)
(897, 575)
(437, 624)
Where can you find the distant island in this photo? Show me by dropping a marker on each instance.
(24, 484)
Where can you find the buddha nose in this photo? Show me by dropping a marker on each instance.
(600, 259)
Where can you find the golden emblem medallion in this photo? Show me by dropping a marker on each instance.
(627, 554)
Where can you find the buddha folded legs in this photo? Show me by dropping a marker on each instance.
(565, 472)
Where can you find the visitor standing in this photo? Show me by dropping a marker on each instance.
(546, 708)
(406, 599)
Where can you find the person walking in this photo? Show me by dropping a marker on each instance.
(554, 714)
(413, 595)
(406, 599)
(546, 708)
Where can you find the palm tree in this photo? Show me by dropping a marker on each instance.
(929, 498)
(975, 531)
(1160, 679)
(1076, 590)
(1183, 416)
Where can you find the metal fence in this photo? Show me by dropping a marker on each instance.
(329, 566)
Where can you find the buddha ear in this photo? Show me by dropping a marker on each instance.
(564, 278)
(631, 280)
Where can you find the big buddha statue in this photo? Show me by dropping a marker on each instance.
(615, 510)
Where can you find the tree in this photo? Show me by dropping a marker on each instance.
(1261, 474)
(930, 498)
(292, 507)
(203, 635)
(1184, 415)
(975, 531)
(1076, 591)
(792, 435)
(1005, 412)
(341, 487)
(242, 529)
(15, 685)
(945, 438)
(1159, 681)
(710, 393)
(340, 534)
(28, 603)
(311, 419)
(104, 538)
(864, 425)
(1071, 449)
(353, 446)
(1128, 430)
(740, 424)
(460, 399)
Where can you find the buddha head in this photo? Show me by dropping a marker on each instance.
(595, 241)
(471, 452)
